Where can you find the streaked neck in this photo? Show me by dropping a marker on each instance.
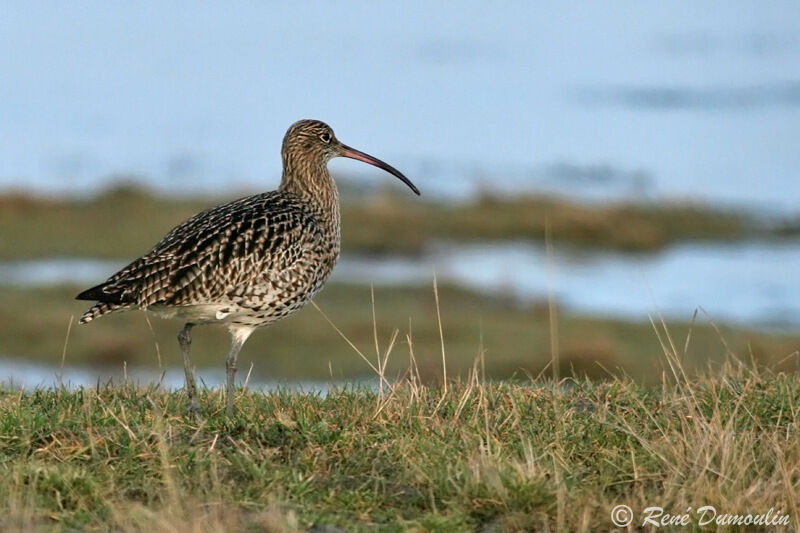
(313, 184)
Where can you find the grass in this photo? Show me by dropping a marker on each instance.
(480, 456)
(515, 338)
(126, 221)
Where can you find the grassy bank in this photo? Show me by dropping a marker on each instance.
(515, 339)
(474, 457)
(125, 222)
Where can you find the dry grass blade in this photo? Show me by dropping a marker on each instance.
(155, 339)
(60, 376)
(350, 343)
(552, 309)
(441, 335)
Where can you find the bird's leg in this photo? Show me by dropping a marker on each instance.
(238, 338)
(185, 340)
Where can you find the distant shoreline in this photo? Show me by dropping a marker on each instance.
(125, 220)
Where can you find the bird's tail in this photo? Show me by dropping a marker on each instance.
(99, 309)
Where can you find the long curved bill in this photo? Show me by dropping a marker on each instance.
(352, 153)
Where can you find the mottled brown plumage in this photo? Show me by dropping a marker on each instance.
(247, 263)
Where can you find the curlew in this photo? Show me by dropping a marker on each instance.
(247, 263)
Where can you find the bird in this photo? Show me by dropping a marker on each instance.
(247, 263)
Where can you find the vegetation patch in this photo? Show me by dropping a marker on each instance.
(474, 456)
(126, 221)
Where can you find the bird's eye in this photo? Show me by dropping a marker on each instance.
(325, 137)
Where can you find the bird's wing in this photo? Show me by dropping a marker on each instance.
(214, 253)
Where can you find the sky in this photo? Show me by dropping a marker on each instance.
(697, 100)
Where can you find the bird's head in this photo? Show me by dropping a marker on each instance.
(312, 143)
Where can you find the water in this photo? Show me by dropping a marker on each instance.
(59, 271)
(750, 283)
(19, 373)
(648, 99)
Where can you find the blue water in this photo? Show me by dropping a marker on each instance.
(639, 98)
(20, 373)
(751, 283)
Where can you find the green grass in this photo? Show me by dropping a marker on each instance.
(515, 339)
(125, 222)
(475, 457)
